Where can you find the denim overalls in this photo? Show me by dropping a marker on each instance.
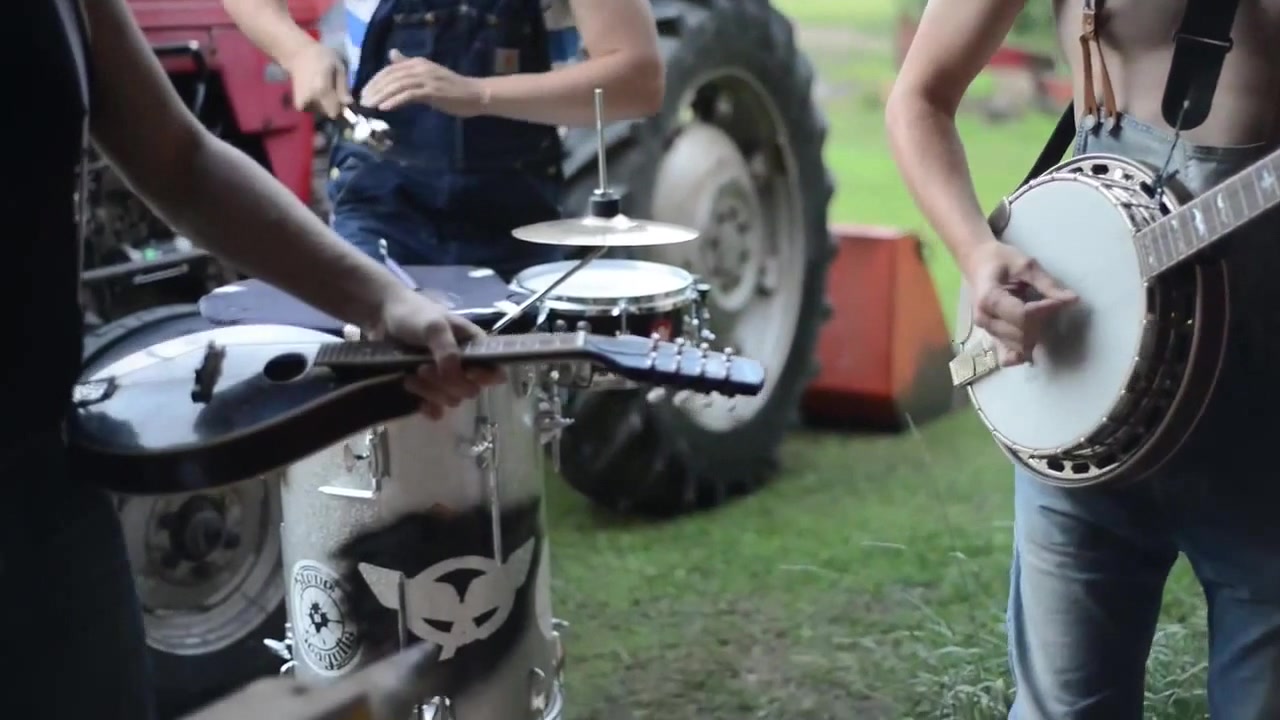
(456, 187)
(1090, 564)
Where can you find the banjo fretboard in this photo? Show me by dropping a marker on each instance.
(1210, 217)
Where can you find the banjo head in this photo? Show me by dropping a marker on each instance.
(1087, 352)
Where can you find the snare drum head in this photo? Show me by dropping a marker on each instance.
(606, 280)
(477, 294)
(1086, 357)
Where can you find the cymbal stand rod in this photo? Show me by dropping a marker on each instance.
(529, 302)
(602, 164)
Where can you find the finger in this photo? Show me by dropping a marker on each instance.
(1008, 357)
(431, 410)
(444, 350)
(340, 86)
(451, 392)
(330, 105)
(397, 100)
(429, 392)
(1005, 332)
(396, 56)
(484, 376)
(393, 86)
(1044, 283)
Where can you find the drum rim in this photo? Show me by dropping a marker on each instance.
(653, 302)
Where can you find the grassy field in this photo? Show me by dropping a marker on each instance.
(869, 580)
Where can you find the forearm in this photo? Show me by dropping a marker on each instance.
(269, 26)
(931, 158)
(633, 86)
(228, 204)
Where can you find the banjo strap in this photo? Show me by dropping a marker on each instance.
(1200, 48)
(1201, 45)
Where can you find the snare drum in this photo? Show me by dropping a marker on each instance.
(616, 297)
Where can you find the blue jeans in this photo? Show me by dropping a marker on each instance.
(1090, 564)
(74, 645)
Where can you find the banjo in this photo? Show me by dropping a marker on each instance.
(1122, 376)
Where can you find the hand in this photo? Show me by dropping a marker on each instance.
(414, 79)
(1001, 276)
(319, 81)
(419, 322)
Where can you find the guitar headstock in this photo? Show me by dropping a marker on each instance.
(676, 364)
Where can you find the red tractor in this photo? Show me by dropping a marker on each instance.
(736, 153)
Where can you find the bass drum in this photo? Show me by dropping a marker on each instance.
(207, 565)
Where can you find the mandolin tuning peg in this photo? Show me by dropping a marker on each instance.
(559, 326)
(703, 348)
(584, 326)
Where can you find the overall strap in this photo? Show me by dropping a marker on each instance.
(1090, 24)
(1200, 48)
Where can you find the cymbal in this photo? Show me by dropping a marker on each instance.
(616, 231)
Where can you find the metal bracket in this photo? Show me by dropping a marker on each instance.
(437, 708)
(973, 364)
(377, 452)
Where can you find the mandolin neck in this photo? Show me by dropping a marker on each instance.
(1210, 217)
(382, 356)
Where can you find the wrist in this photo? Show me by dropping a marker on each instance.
(295, 51)
(483, 94)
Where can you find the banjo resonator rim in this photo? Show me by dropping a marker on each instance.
(1141, 416)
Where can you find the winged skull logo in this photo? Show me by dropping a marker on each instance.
(471, 614)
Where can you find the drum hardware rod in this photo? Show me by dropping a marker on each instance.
(602, 163)
(507, 319)
(487, 430)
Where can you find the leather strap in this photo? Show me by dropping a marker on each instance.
(1056, 146)
(1090, 24)
(1200, 48)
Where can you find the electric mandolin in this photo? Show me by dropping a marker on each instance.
(224, 405)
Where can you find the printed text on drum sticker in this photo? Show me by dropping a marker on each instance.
(323, 628)
(458, 596)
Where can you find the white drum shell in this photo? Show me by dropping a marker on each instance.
(429, 466)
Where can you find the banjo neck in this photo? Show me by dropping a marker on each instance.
(1209, 217)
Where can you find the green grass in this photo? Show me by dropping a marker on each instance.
(869, 580)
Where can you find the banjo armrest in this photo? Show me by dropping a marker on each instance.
(975, 360)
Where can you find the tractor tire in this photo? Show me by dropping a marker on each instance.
(207, 639)
(737, 154)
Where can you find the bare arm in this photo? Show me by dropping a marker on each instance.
(954, 41)
(268, 24)
(212, 192)
(621, 39)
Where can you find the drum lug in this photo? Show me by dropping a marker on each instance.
(540, 689)
(701, 312)
(377, 453)
(481, 449)
(550, 423)
(557, 643)
(283, 649)
(438, 708)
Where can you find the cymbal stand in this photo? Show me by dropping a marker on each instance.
(604, 205)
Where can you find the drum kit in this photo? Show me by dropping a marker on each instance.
(435, 531)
